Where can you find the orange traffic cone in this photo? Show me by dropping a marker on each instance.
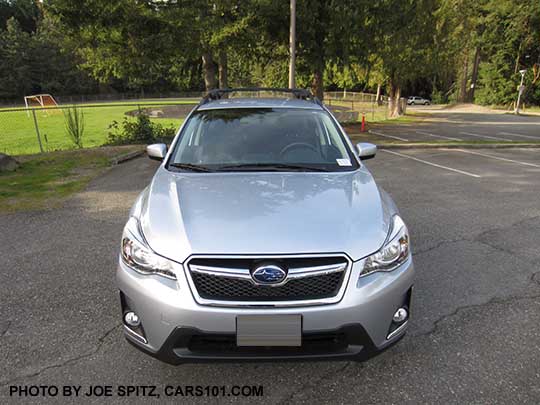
(363, 127)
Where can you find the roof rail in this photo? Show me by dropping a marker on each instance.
(302, 94)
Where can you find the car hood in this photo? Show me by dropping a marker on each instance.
(264, 213)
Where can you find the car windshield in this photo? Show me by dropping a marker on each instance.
(261, 139)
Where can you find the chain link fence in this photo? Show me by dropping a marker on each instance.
(43, 129)
(111, 97)
(351, 106)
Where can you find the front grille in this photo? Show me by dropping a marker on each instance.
(223, 287)
(230, 289)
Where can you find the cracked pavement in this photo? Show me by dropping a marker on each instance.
(473, 338)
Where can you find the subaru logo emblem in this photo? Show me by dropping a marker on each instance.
(268, 274)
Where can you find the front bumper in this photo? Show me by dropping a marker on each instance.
(177, 329)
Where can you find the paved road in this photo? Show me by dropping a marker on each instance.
(474, 338)
(448, 125)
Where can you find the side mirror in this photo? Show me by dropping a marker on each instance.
(156, 151)
(366, 150)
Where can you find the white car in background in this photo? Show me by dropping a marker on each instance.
(415, 100)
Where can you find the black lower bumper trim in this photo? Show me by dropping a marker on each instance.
(190, 345)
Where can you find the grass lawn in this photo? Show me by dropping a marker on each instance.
(44, 181)
(409, 117)
(534, 109)
(523, 109)
(18, 134)
(134, 102)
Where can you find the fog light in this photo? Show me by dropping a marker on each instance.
(401, 315)
(132, 319)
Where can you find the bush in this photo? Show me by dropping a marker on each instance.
(439, 97)
(74, 120)
(140, 130)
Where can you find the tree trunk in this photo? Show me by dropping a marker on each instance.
(318, 82)
(223, 70)
(378, 96)
(536, 73)
(463, 89)
(399, 105)
(394, 106)
(474, 77)
(209, 69)
(319, 55)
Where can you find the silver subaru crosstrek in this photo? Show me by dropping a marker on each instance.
(263, 236)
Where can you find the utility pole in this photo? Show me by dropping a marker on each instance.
(520, 90)
(292, 45)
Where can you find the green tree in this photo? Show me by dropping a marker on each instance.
(15, 60)
(25, 12)
(126, 39)
(512, 41)
(34, 62)
(404, 36)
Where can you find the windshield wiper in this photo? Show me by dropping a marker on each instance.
(272, 166)
(189, 166)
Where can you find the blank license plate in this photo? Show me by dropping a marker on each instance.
(269, 330)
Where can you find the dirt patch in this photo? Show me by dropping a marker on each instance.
(469, 108)
(164, 111)
(107, 151)
(44, 180)
(7, 163)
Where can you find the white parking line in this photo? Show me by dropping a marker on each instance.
(388, 136)
(437, 136)
(484, 136)
(514, 134)
(431, 164)
(496, 157)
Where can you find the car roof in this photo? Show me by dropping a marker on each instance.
(259, 103)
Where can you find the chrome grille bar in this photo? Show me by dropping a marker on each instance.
(221, 271)
(244, 273)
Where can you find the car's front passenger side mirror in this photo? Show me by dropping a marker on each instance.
(366, 150)
(157, 151)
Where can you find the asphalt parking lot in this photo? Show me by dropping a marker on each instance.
(474, 218)
(451, 126)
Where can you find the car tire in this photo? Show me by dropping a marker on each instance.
(426, 103)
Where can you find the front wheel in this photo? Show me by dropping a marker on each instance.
(426, 103)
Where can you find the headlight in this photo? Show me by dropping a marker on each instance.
(137, 255)
(394, 251)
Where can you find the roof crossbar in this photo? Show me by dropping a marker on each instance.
(301, 94)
